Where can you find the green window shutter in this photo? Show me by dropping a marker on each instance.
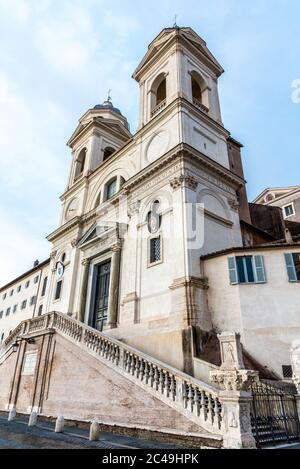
(290, 266)
(232, 270)
(260, 271)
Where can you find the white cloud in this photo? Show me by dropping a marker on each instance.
(21, 248)
(18, 10)
(67, 43)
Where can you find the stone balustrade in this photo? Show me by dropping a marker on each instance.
(158, 108)
(201, 106)
(195, 399)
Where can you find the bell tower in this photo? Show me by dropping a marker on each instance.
(180, 74)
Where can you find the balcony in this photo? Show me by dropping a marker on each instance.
(200, 106)
(158, 108)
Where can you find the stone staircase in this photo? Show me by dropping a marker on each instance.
(195, 400)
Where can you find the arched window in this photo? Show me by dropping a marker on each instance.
(200, 94)
(98, 200)
(161, 92)
(196, 90)
(122, 181)
(80, 162)
(158, 93)
(108, 151)
(111, 188)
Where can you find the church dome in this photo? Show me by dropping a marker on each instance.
(108, 105)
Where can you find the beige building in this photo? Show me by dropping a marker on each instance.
(287, 198)
(156, 253)
(23, 298)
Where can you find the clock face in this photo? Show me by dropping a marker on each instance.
(72, 209)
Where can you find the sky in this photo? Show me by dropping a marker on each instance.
(58, 58)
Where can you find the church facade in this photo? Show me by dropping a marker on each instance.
(159, 249)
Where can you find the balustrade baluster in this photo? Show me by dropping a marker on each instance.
(156, 378)
(132, 364)
(173, 387)
(151, 375)
(204, 405)
(210, 409)
(161, 381)
(184, 395)
(147, 371)
(142, 370)
(197, 400)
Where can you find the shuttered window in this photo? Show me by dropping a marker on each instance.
(246, 269)
(293, 266)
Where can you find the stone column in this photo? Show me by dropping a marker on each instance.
(234, 396)
(83, 291)
(114, 287)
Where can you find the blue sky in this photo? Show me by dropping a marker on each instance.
(59, 57)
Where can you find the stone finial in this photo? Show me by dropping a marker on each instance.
(33, 419)
(295, 360)
(94, 430)
(60, 424)
(231, 351)
(12, 414)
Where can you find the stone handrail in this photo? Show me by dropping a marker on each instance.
(197, 400)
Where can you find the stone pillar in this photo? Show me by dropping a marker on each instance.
(114, 287)
(83, 291)
(234, 396)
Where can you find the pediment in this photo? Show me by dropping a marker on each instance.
(96, 232)
(167, 35)
(107, 124)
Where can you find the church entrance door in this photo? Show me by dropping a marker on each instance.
(101, 296)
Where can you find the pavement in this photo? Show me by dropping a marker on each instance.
(17, 435)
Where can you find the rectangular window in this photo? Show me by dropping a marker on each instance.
(40, 310)
(11, 292)
(27, 284)
(288, 210)
(4, 296)
(246, 269)
(155, 250)
(293, 266)
(111, 189)
(1, 314)
(15, 308)
(36, 279)
(287, 371)
(7, 312)
(30, 363)
(44, 286)
(23, 305)
(32, 300)
(19, 289)
(58, 290)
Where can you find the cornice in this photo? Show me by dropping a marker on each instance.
(101, 125)
(62, 230)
